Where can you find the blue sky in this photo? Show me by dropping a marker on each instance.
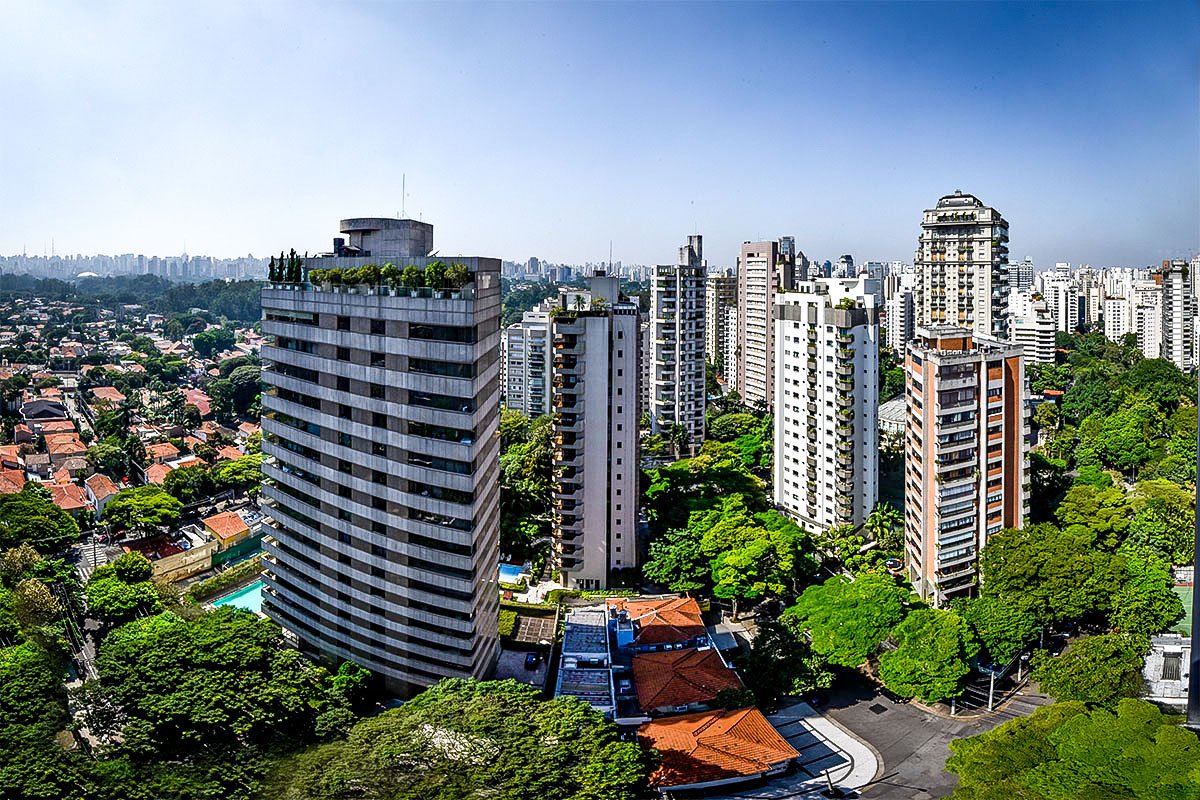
(551, 129)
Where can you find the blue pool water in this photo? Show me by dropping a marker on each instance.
(248, 597)
(510, 573)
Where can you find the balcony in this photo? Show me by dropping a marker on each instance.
(844, 338)
(845, 371)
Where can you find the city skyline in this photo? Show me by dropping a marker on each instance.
(236, 129)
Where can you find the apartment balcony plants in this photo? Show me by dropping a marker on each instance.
(437, 280)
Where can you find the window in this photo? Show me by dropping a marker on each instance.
(377, 391)
(345, 466)
(345, 440)
(378, 327)
(378, 359)
(378, 449)
(344, 411)
(343, 323)
(379, 420)
(343, 384)
(343, 354)
(344, 491)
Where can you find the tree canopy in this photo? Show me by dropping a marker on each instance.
(31, 516)
(932, 657)
(142, 509)
(847, 620)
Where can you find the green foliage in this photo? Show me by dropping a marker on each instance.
(676, 490)
(508, 623)
(1103, 512)
(142, 508)
(213, 341)
(1047, 573)
(1160, 381)
(463, 739)
(1096, 669)
(847, 620)
(235, 575)
(729, 427)
(781, 663)
(932, 657)
(241, 474)
(1070, 752)
(30, 516)
(189, 484)
(525, 476)
(117, 592)
(1002, 628)
(1146, 602)
(1164, 528)
(133, 568)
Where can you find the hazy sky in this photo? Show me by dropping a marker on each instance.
(551, 129)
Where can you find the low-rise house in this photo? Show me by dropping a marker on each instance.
(100, 489)
(57, 426)
(22, 434)
(69, 497)
(11, 456)
(75, 467)
(228, 453)
(161, 452)
(39, 411)
(157, 473)
(228, 528)
(11, 481)
(714, 748)
(38, 464)
(62, 446)
(109, 394)
(643, 626)
(200, 400)
(585, 671)
(175, 556)
(678, 681)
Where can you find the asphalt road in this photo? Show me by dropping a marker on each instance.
(912, 743)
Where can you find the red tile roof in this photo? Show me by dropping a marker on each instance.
(676, 619)
(68, 497)
(226, 525)
(157, 473)
(101, 486)
(714, 745)
(680, 677)
(11, 481)
(161, 451)
(109, 393)
(58, 426)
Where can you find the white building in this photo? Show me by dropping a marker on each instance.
(525, 359)
(1178, 314)
(962, 258)
(676, 365)
(1062, 300)
(827, 402)
(1118, 318)
(1147, 318)
(595, 399)
(1032, 327)
(900, 319)
(720, 294)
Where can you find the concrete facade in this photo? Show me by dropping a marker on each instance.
(381, 473)
(901, 320)
(720, 295)
(962, 260)
(966, 456)
(525, 363)
(1178, 314)
(595, 398)
(827, 402)
(675, 372)
(763, 269)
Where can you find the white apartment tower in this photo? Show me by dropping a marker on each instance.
(764, 268)
(1062, 300)
(966, 456)
(380, 469)
(1117, 318)
(1032, 327)
(1178, 314)
(675, 372)
(900, 319)
(594, 396)
(827, 402)
(962, 260)
(525, 358)
(720, 294)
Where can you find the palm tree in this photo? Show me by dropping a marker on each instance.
(883, 520)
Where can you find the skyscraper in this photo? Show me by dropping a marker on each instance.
(1032, 327)
(762, 271)
(525, 362)
(595, 400)
(827, 402)
(720, 293)
(1178, 314)
(900, 320)
(966, 468)
(676, 365)
(379, 432)
(962, 260)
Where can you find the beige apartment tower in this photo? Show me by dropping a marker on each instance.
(764, 268)
(966, 456)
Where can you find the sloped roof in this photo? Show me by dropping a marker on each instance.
(68, 497)
(680, 677)
(226, 525)
(110, 393)
(101, 485)
(714, 745)
(161, 450)
(11, 481)
(157, 473)
(228, 453)
(676, 619)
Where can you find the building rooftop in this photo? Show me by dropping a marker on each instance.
(585, 634)
(713, 746)
(675, 619)
(681, 677)
(226, 525)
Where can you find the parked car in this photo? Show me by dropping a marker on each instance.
(532, 660)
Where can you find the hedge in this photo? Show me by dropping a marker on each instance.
(202, 590)
(508, 623)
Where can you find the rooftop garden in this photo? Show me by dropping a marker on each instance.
(437, 276)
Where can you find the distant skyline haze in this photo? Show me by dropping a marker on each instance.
(550, 129)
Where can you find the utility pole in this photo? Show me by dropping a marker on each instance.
(1193, 708)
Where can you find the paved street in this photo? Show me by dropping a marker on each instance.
(913, 743)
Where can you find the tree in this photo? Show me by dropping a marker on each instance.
(1047, 573)
(241, 474)
(1002, 628)
(886, 526)
(117, 592)
(458, 275)
(31, 516)
(1160, 381)
(1068, 751)
(932, 657)
(189, 484)
(461, 739)
(435, 274)
(781, 663)
(1164, 529)
(244, 384)
(1096, 669)
(1087, 397)
(213, 341)
(142, 509)
(1049, 482)
(728, 427)
(677, 562)
(1146, 603)
(846, 621)
(1104, 512)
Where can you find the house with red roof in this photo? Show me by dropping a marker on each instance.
(22, 433)
(157, 473)
(58, 426)
(200, 400)
(69, 497)
(11, 456)
(100, 489)
(108, 394)
(677, 681)
(228, 528)
(643, 626)
(11, 481)
(228, 453)
(715, 748)
(161, 452)
(62, 446)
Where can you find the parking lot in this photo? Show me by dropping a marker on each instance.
(512, 665)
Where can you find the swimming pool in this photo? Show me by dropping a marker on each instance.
(248, 597)
(510, 573)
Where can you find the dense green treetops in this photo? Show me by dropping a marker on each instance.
(31, 516)
(847, 620)
(1068, 751)
(465, 739)
(142, 509)
(1098, 669)
(932, 657)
